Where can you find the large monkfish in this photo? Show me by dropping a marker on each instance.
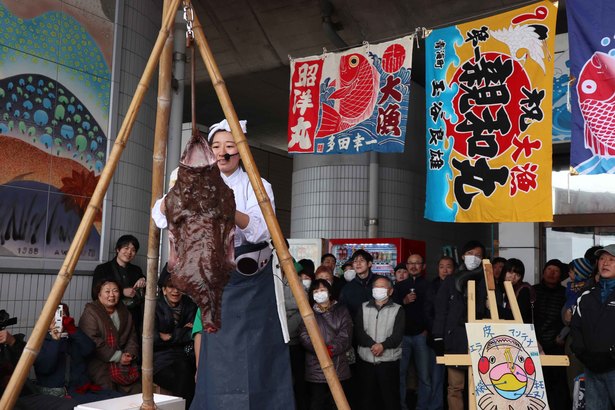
(200, 211)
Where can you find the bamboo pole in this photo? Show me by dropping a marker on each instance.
(161, 133)
(13, 388)
(272, 223)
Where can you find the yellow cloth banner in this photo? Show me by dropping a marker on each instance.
(489, 101)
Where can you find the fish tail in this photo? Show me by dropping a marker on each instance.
(330, 121)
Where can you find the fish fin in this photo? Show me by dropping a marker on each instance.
(340, 93)
(330, 121)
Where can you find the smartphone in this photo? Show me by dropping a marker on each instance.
(58, 318)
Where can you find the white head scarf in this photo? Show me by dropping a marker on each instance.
(224, 126)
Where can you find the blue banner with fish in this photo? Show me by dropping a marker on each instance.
(592, 56)
(351, 102)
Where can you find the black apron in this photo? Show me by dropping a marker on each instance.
(246, 364)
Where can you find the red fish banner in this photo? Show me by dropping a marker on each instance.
(592, 65)
(351, 102)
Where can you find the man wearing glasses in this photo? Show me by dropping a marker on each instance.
(410, 294)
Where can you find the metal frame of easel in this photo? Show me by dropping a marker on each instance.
(162, 52)
(464, 359)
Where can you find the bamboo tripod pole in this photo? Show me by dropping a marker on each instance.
(13, 388)
(161, 134)
(272, 223)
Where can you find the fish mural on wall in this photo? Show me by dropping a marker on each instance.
(54, 107)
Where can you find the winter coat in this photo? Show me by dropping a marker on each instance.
(592, 330)
(335, 326)
(452, 312)
(166, 352)
(416, 322)
(94, 322)
(380, 324)
(50, 364)
(356, 292)
(548, 316)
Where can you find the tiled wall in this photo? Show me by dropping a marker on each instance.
(23, 296)
(129, 195)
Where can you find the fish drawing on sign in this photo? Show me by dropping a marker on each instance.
(508, 373)
(529, 39)
(354, 97)
(596, 93)
(200, 210)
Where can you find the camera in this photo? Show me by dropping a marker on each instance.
(6, 319)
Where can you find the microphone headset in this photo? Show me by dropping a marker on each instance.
(228, 156)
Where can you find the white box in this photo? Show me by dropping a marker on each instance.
(134, 402)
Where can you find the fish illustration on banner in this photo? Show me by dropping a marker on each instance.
(351, 102)
(592, 55)
(488, 100)
(506, 366)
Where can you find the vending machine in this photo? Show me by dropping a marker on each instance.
(387, 252)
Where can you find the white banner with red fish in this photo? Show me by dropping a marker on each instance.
(351, 102)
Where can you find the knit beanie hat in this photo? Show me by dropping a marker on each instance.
(582, 268)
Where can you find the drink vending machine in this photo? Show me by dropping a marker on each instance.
(387, 252)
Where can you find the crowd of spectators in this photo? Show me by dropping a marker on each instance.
(377, 332)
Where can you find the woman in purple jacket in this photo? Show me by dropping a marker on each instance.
(335, 325)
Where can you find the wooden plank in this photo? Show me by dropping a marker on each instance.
(464, 360)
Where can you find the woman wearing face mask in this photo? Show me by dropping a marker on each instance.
(448, 329)
(335, 325)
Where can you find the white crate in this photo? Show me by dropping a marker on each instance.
(134, 402)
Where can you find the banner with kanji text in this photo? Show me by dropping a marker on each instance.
(488, 99)
(351, 102)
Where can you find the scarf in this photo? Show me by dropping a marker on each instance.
(607, 286)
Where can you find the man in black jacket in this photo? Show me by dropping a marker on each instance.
(593, 334)
(410, 294)
(359, 289)
(451, 309)
(550, 299)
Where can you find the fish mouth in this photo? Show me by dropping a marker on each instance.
(509, 384)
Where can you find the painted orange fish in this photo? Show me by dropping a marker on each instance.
(596, 91)
(355, 97)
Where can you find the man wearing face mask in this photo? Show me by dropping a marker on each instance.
(379, 330)
(359, 289)
(449, 330)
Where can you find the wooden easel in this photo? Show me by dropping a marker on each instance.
(464, 359)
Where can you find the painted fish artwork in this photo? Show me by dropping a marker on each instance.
(351, 102)
(596, 91)
(200, 211)
(65, 148)
(506, 367)
(591, 39)
(355, 96)
(55, 84)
